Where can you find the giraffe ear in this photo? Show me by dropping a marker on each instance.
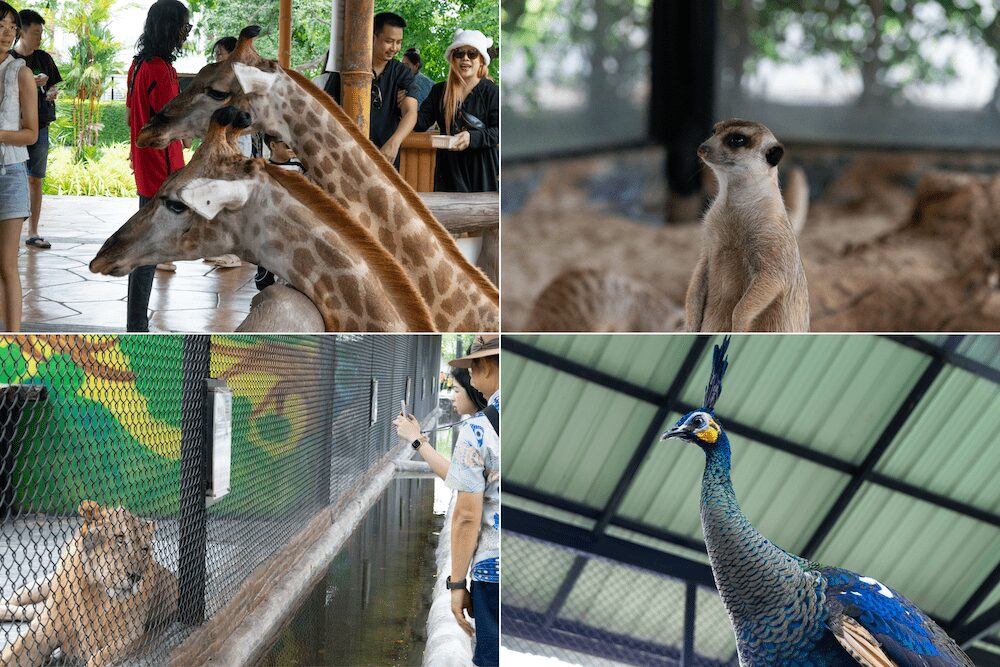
(208, 196)
(253, 79)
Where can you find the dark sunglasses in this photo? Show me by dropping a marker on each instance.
(376, 95)
(461, 53)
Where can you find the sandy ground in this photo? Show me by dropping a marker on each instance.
(869, 266)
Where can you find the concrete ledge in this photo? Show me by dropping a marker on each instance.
(243, 630)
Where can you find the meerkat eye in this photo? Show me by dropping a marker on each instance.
(735, 140)
(216, 94)
(120, 539)
(175, 206)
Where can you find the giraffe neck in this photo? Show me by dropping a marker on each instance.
(349, 167)
(311, 241)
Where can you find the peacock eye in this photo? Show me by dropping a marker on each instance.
(735, 140)
(175, 206)
(696, 421)
(216, 94)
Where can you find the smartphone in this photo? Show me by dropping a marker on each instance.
(402, 407)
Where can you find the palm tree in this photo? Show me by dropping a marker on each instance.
(93, 59)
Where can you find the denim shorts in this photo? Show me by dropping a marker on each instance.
(38, 153)
(14, 192)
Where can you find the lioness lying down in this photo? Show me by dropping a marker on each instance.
(105, 593)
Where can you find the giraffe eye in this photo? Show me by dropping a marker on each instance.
(216, 94)
(175, 206)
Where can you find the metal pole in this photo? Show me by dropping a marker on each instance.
(13, 399)
(194, 481)
(690, 606)
(285, 33)
(356, 77)
(328, 362)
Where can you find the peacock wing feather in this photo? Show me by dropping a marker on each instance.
(873, 622)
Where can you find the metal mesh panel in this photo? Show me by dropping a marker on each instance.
(103, 463)
(350, 411)
(281, 397)
(589, 610)
(106, 434)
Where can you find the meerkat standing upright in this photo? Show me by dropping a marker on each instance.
(749, 276)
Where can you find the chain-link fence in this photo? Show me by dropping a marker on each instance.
(110, 550)
(588, 610)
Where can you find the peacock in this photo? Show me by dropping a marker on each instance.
(786, 610)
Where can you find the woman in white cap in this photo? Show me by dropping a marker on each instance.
(466, 105)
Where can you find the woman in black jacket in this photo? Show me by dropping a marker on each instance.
(467, 106)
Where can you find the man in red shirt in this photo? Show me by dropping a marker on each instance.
(152, 82)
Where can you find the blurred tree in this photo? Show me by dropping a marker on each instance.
(430, 24)
(310, 27)
(599, 46)
(92, 61)
(885, 41)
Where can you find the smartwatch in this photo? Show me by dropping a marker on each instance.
(454, 585)
(416, 443)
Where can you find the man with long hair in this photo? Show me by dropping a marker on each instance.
(152, 82)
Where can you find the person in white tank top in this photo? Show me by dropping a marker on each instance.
(18, 130)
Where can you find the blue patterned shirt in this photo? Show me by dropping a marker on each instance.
(475, 468)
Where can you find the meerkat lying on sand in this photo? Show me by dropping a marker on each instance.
(749, 276)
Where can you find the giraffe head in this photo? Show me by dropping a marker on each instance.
(244, 80)
(187, 217)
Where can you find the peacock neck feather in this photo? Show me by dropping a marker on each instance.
(759, 582)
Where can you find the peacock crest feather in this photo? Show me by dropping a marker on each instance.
(719, 365)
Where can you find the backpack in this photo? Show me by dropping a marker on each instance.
(493, 415)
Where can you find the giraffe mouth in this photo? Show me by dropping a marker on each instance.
(104, 266)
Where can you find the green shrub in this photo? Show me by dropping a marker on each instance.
(106, 174)
(113, 117)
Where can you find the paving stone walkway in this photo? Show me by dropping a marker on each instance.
(62, 295)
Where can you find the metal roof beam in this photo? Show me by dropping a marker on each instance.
(554, 361)
(954, 358)
(583, 638)
(649, 438)
(976, 599)
(605, 546)
(981, 625)
(565, 588)
(586, 512)
(906, 408)
(776, 442)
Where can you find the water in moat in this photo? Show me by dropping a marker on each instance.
(370, 608)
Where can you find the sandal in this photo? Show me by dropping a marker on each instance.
(38, 242)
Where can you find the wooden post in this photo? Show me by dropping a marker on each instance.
(356, 75)
(285, 33)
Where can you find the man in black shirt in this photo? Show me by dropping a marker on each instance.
(47, 77)
(391, 121)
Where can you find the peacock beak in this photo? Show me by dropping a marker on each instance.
(678, 432)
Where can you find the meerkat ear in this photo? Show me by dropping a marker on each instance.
(773, 154)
